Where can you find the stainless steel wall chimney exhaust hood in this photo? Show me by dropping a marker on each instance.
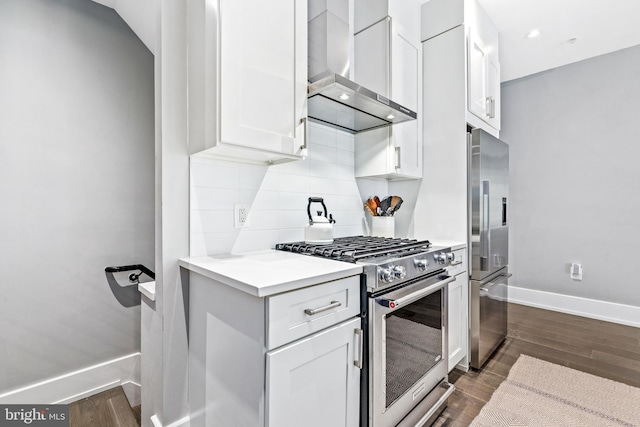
(333, 99)
(341, 103)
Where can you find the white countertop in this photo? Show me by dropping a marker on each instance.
(270, 272)
(452, 243)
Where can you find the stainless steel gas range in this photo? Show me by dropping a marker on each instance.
(404, 300)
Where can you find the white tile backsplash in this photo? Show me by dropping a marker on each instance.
(323, 136)
(204, 221)
(345, 141)
(322, 185)
(218, 199)
(252, 177)
(214, 173)
(345, 157)
(277, 195)
(293, 183)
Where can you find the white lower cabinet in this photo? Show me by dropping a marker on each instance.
(458, 312)
(285, 360)
(314, 382)
(458, 330)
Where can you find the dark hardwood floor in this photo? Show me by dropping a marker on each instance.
(107, 409)
(601, 348)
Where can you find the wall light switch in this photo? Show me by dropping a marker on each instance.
(576, 271)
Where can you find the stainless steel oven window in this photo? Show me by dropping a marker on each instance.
(413, 344)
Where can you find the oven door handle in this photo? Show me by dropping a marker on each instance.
(389, 301)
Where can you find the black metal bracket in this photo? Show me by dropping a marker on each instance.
(132, 277)
(127, 295)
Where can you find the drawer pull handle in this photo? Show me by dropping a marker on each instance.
(313, 311)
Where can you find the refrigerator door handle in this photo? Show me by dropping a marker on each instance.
(488, 283)
(504, 211)
(485, 231)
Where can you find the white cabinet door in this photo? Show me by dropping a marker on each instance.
(387, 61)
(483, 80)
(407, 146)
(493, 90)
(457, 317)
(478, 102)
(314, 382)
(262, 79)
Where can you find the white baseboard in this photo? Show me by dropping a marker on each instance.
(78, 384)
(594, 309)
(133, 392)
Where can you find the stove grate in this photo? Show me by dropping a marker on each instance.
(353, 249)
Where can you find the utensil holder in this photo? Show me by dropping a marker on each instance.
(383, 226)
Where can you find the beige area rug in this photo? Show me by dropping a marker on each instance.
(539, 393)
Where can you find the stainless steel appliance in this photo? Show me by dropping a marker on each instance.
(333, 99)
(404, 300)
(489, 244)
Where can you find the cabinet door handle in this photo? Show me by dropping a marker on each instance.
(398, 159)
(358, 362)
(487, 106)
(303, 147)
(313, 311)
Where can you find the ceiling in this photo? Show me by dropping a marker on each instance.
(598, 26)
(140, 15)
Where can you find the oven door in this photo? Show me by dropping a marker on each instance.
(408, 347)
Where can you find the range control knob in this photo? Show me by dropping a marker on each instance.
(421, 264)
(386, 274)
(451, 256)
(399, 272)
(440, 258)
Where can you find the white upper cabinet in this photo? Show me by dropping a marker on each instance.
(249, 77)
(483, 66)
(483, 73)
(387, 61)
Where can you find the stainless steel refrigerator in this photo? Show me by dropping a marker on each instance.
(488, 243)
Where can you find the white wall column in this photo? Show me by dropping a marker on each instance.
(164, 337)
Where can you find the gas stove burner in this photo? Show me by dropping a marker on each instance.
(358, 248)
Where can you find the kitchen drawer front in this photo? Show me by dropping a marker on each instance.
(459, 264)
(327, 304)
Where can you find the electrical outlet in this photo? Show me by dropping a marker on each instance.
(241, 215)
(575, 271)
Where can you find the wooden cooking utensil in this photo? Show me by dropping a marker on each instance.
(372, 206)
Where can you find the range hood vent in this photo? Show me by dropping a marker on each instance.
(338, 102)
(335, 100)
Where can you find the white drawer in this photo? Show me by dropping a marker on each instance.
(333, 302)
(459, 264)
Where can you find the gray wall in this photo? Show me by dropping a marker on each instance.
(76, 184)
(575, 177)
